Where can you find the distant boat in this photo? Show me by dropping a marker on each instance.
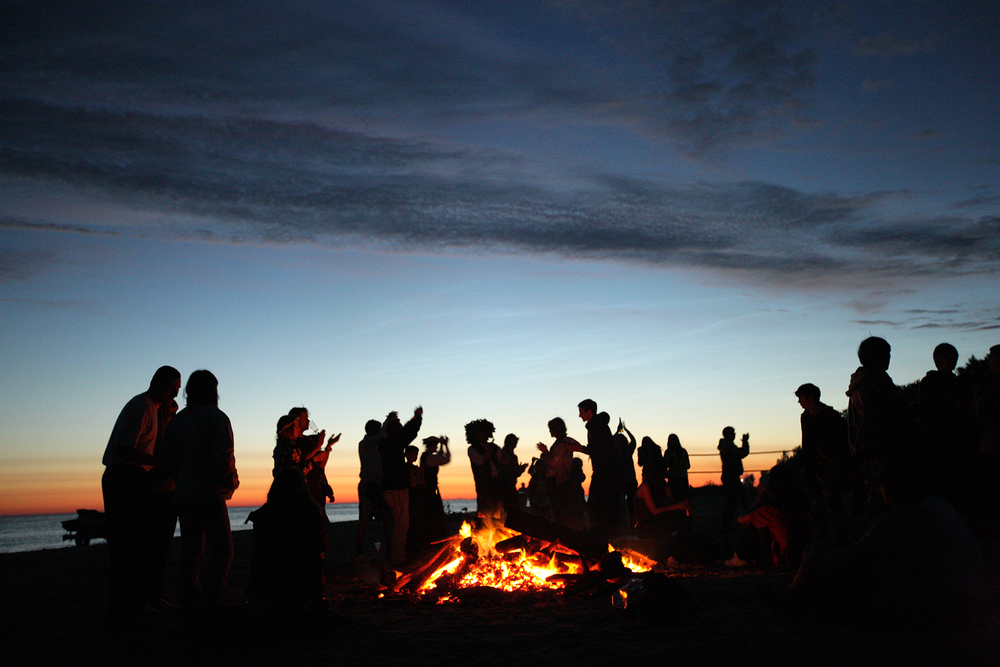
(88, 525)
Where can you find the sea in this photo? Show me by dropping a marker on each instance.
(45, 531)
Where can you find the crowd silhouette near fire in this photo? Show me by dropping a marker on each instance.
(892, 502)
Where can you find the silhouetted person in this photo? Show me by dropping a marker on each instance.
(164, 512)
(677, 463)
(946, 408)
(289, 540)
(605, 499)
(199, 456)
(510, 469)
(732, 469)
(370, 484)
(658, 515)
(539, 492)
(626, 444)
(877, 419)
(988, 458)
(825, 453)
(483, 457)
(782, 508)
(396, 480)
(130, 487)
(435, 455)
(416, 533)
(562, 480)
(319, 488)
(648, 451)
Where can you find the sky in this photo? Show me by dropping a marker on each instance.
(683, 210)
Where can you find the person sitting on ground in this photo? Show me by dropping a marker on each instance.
(778, 520)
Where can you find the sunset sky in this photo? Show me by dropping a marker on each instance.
(682, 210)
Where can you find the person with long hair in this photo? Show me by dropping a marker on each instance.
(199, 457)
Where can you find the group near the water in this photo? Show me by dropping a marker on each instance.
(901, 489)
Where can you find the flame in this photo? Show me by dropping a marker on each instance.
(514, 571)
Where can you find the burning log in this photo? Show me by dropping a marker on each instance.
(585, 544)
(416, 579)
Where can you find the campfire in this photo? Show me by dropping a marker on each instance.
(540, 556)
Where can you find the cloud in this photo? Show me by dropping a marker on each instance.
(704, 76)
(22, 265)
(889, 44)
(273, 182)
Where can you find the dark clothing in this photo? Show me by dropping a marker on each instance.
(286, 570)
(395, 470)
(486, 475)
(606, 497)
(677, 463)
(129, 509)
(732, 468)
(878, 417)
(825, 453)
(732, 458)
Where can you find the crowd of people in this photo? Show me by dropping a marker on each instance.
(928, 466)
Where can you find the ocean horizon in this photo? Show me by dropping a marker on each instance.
(45, 531)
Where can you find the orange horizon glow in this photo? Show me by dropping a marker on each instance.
(66, 494)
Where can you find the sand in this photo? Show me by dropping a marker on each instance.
(53, 605)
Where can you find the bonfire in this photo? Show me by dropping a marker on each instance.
(495, 556)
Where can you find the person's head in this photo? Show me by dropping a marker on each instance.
(673, 442)
(874, 353)
(557, 427)
(994, 359)
(808, 395)
(510, 442)
(945, 357)
(479, 431)
(202, 389)
(372, 426)
(165, 384)
(301, 415)
(588, 408)
(411, 452)
(286, 427)
(729, 433)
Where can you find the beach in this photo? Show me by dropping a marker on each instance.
(53, 604)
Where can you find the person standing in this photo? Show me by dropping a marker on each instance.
(396, 480)
(484, 459)
(130, 486)
(561, 476)
(312, 450)
(606, 498)
(370, 484)
(732, 469)
(677, 464)
(199, 457)
(825, 452)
